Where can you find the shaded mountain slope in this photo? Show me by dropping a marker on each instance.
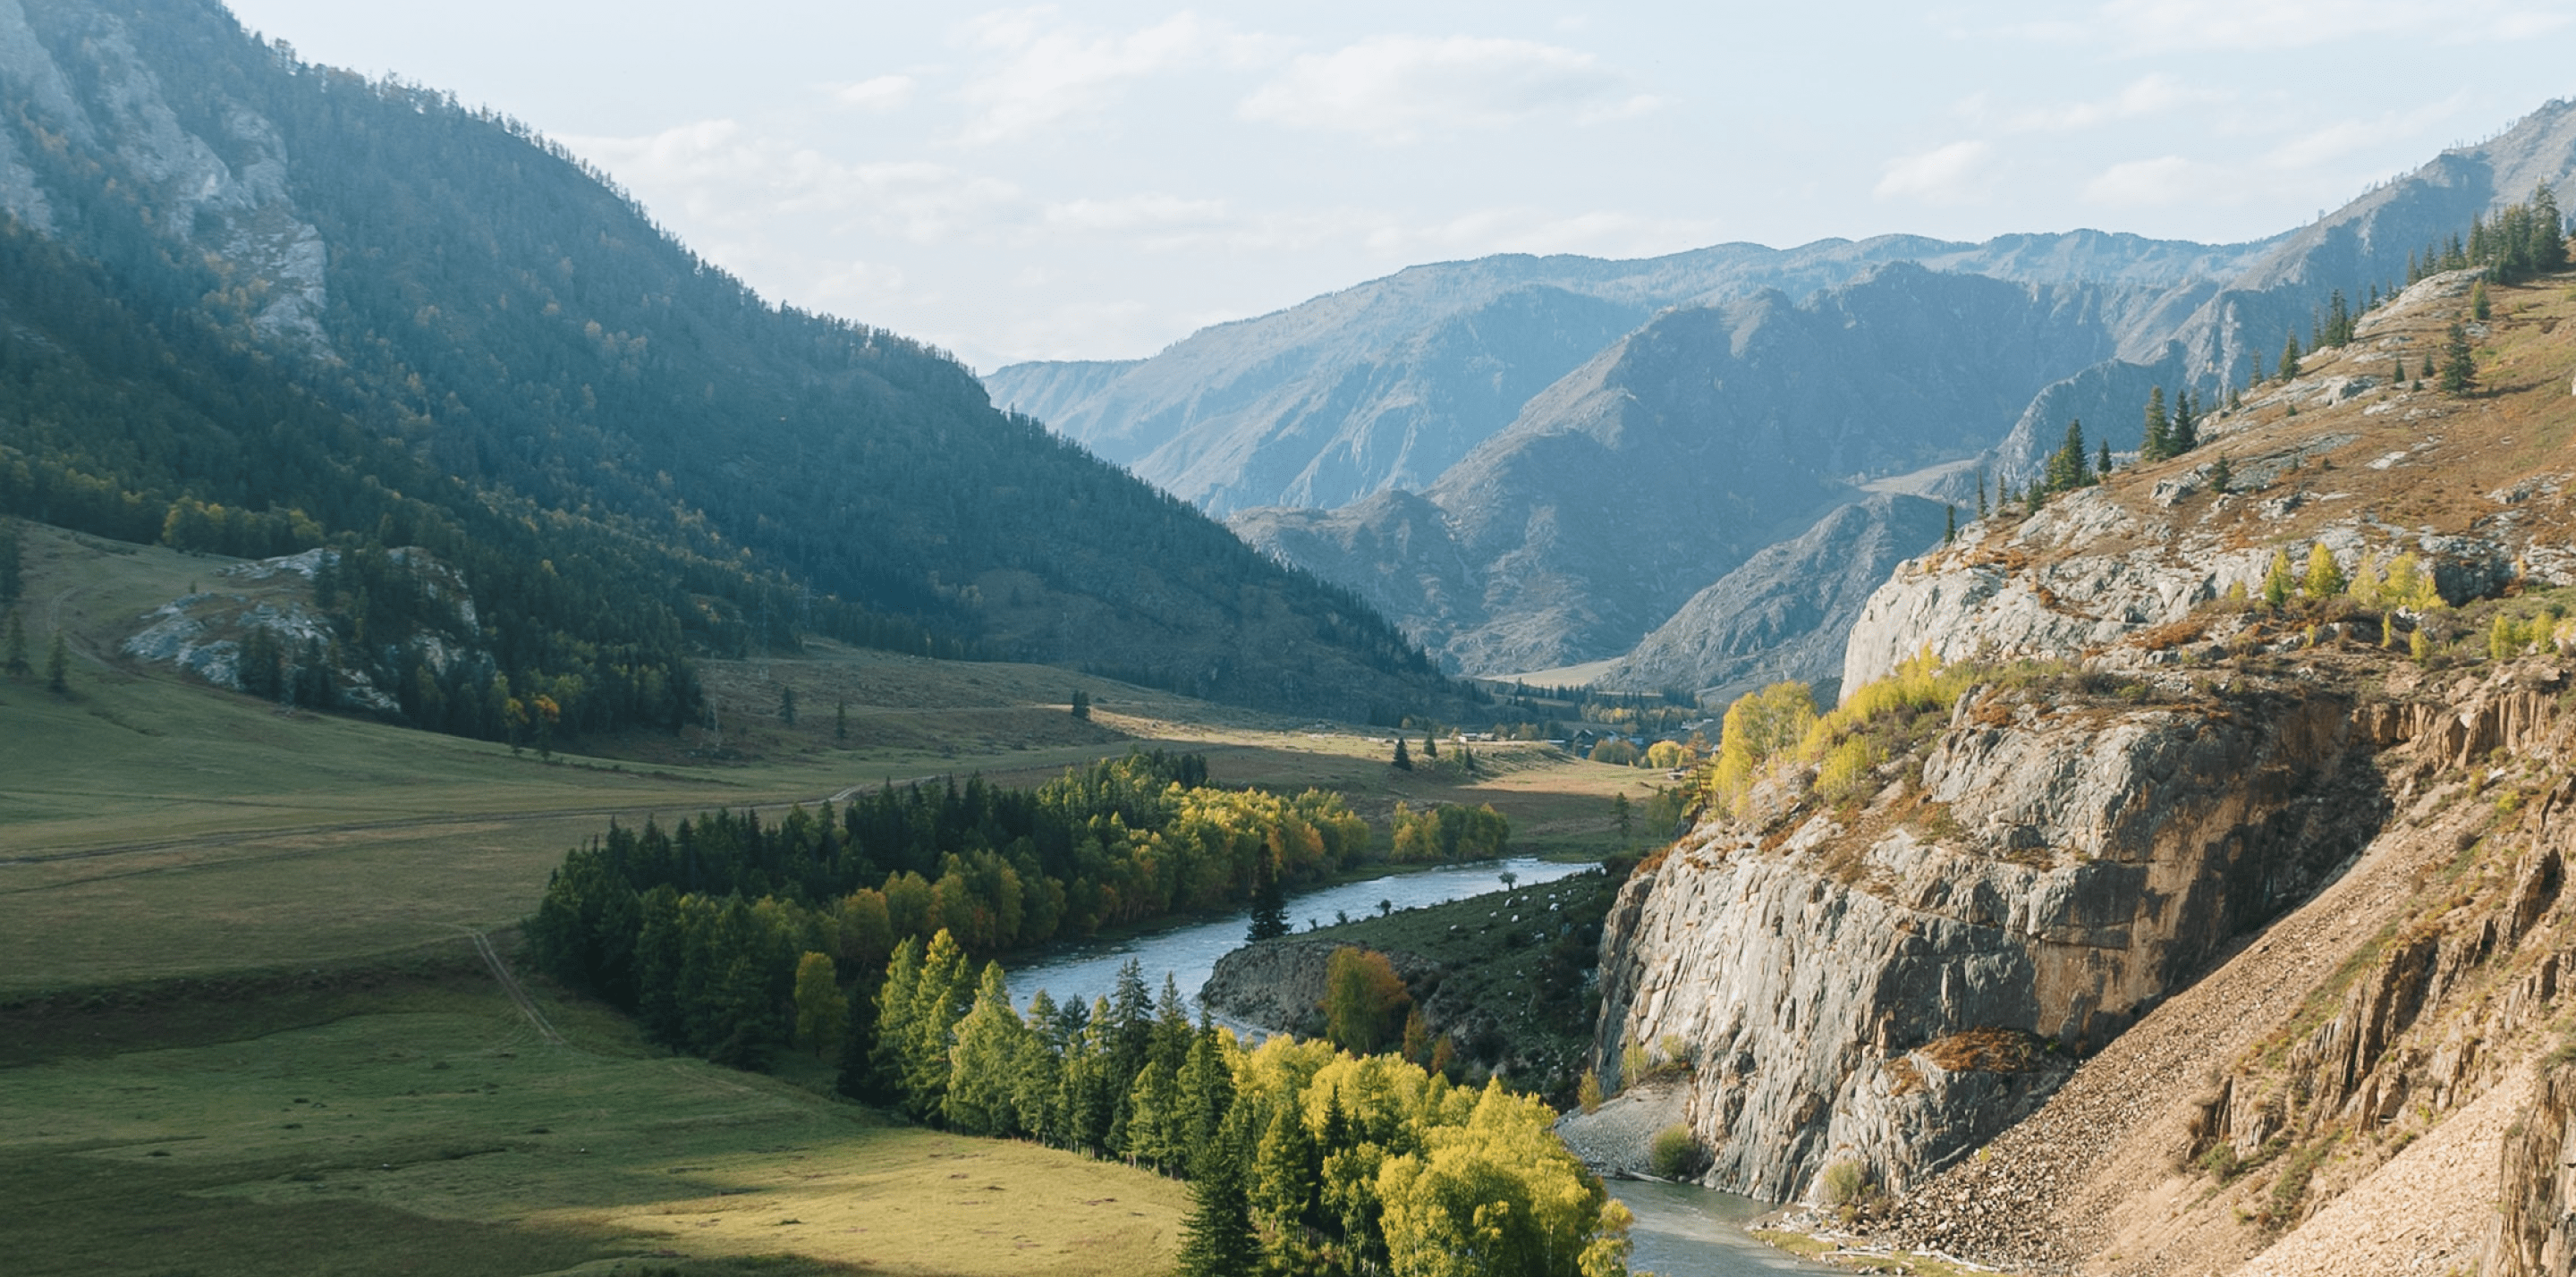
(519, 347)
(1672, 457)
(1786, 612)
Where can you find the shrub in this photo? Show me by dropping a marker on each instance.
(1675, 1153)
(1588, 1092)
(1844, 1185)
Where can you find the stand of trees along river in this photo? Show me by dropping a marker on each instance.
(730, 938)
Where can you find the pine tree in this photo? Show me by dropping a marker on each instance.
(2221, 475)
(2153, 445)
(2479, 306)
(1949, 525)
(1269, 903)
(58, 667)
(2183, 434)
(981, 1081)
(1217, 1239)
(1081, 704)
(2067, 466)
(2103, 465)
(2289, 357)
(1981, 494)
(1430, 744)
(2458, 376)
(1403, 760)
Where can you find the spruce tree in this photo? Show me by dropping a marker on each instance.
(2458, 376)
(2103, 465)
(2221, 475)
(58, 666)
(1403, 759)
(2183, 434)
(1269, 903)
(2289, 357)
(1981, 494)
(2153, 445)
(1217, 1238)
(2066, 466)
(2479, 306)
(1949, 525)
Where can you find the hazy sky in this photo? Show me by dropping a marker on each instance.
(1097, 180)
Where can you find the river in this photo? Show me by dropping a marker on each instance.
(1681, 1231)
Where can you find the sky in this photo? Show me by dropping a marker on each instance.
(1097, 181)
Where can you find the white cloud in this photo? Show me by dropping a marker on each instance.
(1953, 174)
(1049, 73)
(2146, 96)
(1395, 88)
(2167, 179)
(2245, 25)
(724, 176)
(881, 93)
(1135, 212)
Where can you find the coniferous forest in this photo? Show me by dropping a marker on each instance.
(631, 458)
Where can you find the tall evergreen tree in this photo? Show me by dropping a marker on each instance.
(1981, 493)
(2459, 375)
(1217, 1238)
(2102, 464)
(984, 1065)
(2067, 466)
(2153, 445)
(1403, 759)
(1949, 525)
(2289, 357)
(1269, 903)
(2183, 433)
(58, 666)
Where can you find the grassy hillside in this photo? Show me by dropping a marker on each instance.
(253, 838)
(415, 1121)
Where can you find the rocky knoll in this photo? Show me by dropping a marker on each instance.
(1279, 984)
(1894, 981)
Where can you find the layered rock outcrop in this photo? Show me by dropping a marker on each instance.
(1851, 981)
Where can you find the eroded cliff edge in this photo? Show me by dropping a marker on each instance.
(1896, 980)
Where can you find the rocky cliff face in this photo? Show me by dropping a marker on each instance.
(2284, 881)
(1898, 980)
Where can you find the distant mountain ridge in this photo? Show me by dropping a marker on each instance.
(1550, 536)
(1388, 383)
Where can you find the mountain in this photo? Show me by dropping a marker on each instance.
(1388, 383)
(330, 310)
(1785, 613)
(2189, 913)
(2236, 334)
(1681, 450)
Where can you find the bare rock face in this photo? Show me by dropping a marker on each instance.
(2536, 1236)
(1897, 983)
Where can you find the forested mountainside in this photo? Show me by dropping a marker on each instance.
(357, 313)
(1388, 383)
(1676, 454)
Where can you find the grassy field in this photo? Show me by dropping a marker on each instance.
(415, 1122)
(154, 827)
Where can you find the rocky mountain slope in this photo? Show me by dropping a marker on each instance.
(1785, 614)
(1673, 456)
(333, 310)
(2167, 929)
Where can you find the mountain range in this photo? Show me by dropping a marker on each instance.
(1532, 462)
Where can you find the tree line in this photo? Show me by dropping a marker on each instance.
(698, 929)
